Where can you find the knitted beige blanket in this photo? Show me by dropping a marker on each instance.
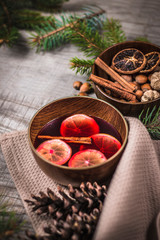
(133, 198)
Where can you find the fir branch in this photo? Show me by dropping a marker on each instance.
(6, 12)
(82, 66)
(63, 30)
(49, 5)
(8, 37)
(92, 44)
(15, 15)
(89, 42)
(29, 19)
(18, 4)
(142, 39)
(112, 32)
(151, 121)
(9, 222)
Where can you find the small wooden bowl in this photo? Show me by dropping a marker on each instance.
(69, 106)
(126, 108)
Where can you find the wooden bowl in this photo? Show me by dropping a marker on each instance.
(126, 108)
(69, 106)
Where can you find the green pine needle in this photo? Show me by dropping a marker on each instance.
(29, 19)
(8, 37)
(93, 43)
(9, 222)
(151, 121)
(112, 32)
(82, 66)
(89, 42)
(19, 14)
(48, 6)
(51, 36)
(69, 28)
(142, 39)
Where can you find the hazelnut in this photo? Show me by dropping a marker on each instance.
(135, 84)
(128, 78)
(141, 79)
(82, 94)
(86, 87)
(145, 87)
(77, 85)
(139, 94)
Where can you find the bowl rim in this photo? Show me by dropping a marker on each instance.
(81, 168)
(112, 98)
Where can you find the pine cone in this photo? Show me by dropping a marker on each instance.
(74, 216)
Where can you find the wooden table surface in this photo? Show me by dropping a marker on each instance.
(29, 80)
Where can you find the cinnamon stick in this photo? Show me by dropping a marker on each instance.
(99, 62)
(122, 93)
(81, 140)
(114, 84)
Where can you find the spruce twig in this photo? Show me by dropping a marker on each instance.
(82, 66)
(142, 39)
(6, 12)
(69, 25)
(151, 121)
(19, 14)
(82, 36)
(49, 38)
(9, 222)
(112, 33)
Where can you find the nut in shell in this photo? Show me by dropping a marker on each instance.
(77, 85)
(141, 79)
(82, 94)
(145, 87)
(150, 95)
(135, 84)
(128, 78)
(139, 94)
(86, 88)
(155, 81)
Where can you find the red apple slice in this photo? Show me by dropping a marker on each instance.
(79, 125)
(86, 158)
(105, 143)
(55, 151)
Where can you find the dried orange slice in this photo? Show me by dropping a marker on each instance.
(153, 59)
(55, 151)
(86, 158)
(129, 61)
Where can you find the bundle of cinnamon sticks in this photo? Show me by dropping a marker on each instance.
(120, 87)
